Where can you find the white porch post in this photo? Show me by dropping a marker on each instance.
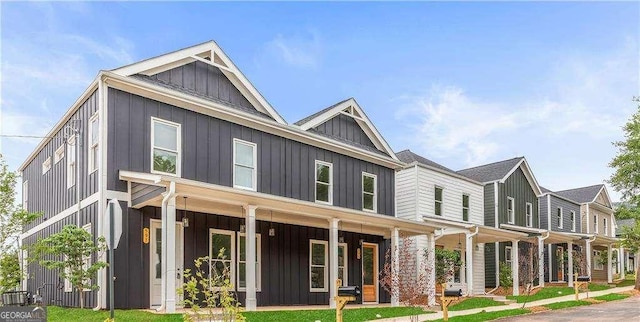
(541, 261)
(250, 256)
(550, 263)
(570, 250)
(621, 262)
(515, 267)
(609, 266)
(333, 260)
(169, 248)
(588, 247)
(395, 269)
(431, 262)
(469, 262)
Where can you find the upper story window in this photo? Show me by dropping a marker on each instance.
(71, 161)
(559, 218)
(529, 214)
(604, 225)
(93, 142)
(511, 205)
(465, 207)
(573, 221)
(46, 165)
(25, 195)
(369, 192)
(324, 182)
(244, 164)
(438, 201)
(59, 154)
(165, 147)
(595, 224)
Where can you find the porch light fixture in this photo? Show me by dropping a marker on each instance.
(185, 220)
(272, 231)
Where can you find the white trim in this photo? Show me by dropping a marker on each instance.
(375, 191)
(508, 251)
(316, 182)
(120, 195)
(232, 251)
(325, 265)
(71, 161)
(46, 165)
(528, 174)
(87, 261)
(561, 213)
(605, 226)
(61, 215)
(596, 229)
(25, 195)
(438, 202)
(58, 155)
(528, 214)
(92, 165)
(254, 169)
(258, 262)
(345, 267)
(548, 212)
(512, 201)
(573, 221)
(178, 151)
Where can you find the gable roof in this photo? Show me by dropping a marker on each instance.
(350, 108)
(209, 53)
(409, 157)
(500, 171)
(583, 194)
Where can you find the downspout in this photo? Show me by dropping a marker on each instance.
(165, 200)
(496, 244)
(470, 267)
(78, 175)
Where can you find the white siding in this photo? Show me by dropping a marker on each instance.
(478, 269)
(406, 194)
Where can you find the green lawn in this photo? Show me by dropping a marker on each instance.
(56, 313)
(630, 280)
(487, 316)
(474, 303)
(611, 297)
(598, 287)
(544, 293)
(351, 315)
(567, 304)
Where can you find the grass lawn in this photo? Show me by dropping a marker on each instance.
(567, 304)
(473, 303)
(487, 316)
(544, 293)
(611, 297)
(630, 280)
(598, 287)
(56, 313)
(351, 315)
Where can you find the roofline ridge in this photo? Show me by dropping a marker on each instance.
(484, 165)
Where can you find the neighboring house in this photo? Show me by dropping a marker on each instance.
(598, 225)
(511, 203)
(628, 261)
(199, 162)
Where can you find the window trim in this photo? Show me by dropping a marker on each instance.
(25, 195)
(511, 218)
(315, 184)
(93, 164)
(325, 266)
(595, 224)
(573, 221)
(345, 267)
(58, 155)
(71, 160)
(46, 165)
(438, 202)
(178, 151)
(254, 172)
(560, 217)
(605, 226)
(232, 251)
(507, 251)
(258, 262)
(468, 207)
(596, 265)
(89, 259)
(528, 211)
(375, 192)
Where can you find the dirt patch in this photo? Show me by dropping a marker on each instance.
(504, 291)
(593, 301)
(632, 293)
(536, 309)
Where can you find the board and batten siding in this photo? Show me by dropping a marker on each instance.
(48, 192)
(285, 167)
(517, 186)
(490, 265)
(567, 208)
(489, 205)
(346, 128)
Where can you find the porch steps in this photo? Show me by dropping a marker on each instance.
(497, 298)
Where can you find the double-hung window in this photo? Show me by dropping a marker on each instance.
(87, 260)
(595, 224)
(369, 192)
(465, 207)
(221, 255)
(597, 261)
(511, 210)
(342, 264)
(507, 254)
(529, 214)
(244, 164)
(93, 142)
(242, 262)
(165, 147)
(559, 217)
(25, 195)
(573, 221)
(605, 226)
(71, 161)
(324, 182)
(318, 265)
(438, 201)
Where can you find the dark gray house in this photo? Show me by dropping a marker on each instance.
(199, 161)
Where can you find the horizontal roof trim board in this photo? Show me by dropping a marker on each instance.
(211, 108)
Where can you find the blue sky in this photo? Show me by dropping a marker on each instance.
(460, 83)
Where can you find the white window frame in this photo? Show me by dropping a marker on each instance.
(68, 287)
(254, 172)
(258, 262)
(316, 182)
(438, 203)
(178, 151)
(507, 254)
(46, 165)
(59, 154)
(375, 191)
(511, 214)
(573, 221)
(529, 214)
(560, 217)
(596, 261)
(325, 266)
(605, 225)
(214, 257)
(87, 260)
(25, 268)
(93, 164)
(25, 195)
(345, 266)
(72, 162)
(595, 224)
(468, 207)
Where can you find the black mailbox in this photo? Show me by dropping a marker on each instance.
(348, 291)
(584, 278)
(453, 292)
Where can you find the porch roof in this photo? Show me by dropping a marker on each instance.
(598, 240)
(488, 234)
(550, 237)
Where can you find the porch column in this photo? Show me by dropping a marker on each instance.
(250, 256)
(621, 262)
(395, 269)
(333, 260)
(550, 268)
(570, 250)
(609, 266)
(515, 267)
(588, 249)
(169, 252)
(431, 266)
(541, 261)
(469, 262)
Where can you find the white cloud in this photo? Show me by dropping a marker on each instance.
(301, 50)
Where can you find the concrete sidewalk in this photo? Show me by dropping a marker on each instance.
(438, 315)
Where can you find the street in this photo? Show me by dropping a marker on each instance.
(628, 309)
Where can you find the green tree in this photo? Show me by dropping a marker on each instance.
(448, 263)
(626, 178)
(73, 248)
(9, 271)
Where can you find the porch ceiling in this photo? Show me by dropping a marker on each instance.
(556, 237)
(488, 234)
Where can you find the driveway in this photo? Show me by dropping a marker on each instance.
(624, 310)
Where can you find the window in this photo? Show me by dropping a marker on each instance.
(25, 268)
(510, 210)
(604, 225)
(242, 259)
(93, 143)
(324, 182)
(71, 162)
(438, 201)
(318, 265)
(597, 264)
(465, 207)
(87, 260)
(25, 195)
(165, 147)
(559, 217)
(595, 224)
(529, 213)
(244, 164)
(369, 192)
(46, 165)
(342, 264)
(59, 154)
(507, 254)
(573, 221)
(68, 287)
(222, 254)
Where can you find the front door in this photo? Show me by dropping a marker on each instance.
(560, 257)
(156, 263)
(369, 272)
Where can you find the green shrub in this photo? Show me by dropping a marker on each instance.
(506, 279)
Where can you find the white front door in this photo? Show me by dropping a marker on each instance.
(155, 258)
